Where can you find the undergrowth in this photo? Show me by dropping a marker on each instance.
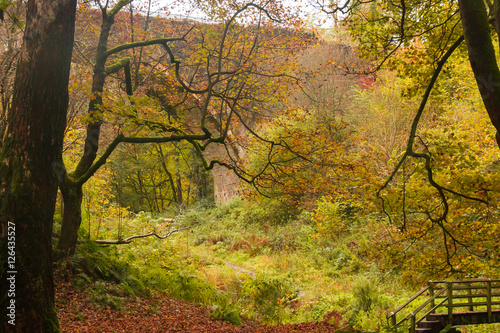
(245, 259)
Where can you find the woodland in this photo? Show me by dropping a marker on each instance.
(243, 166)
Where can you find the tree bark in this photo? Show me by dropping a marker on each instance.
(72, 190)
(72, 218)
(29, 163)
(168, 173)
(72, 187)
(482, 56)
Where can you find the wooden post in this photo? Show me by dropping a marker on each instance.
(393, 319)
(412, 323)
(469, 292)
(488, 300)
(431, 294)
(449, 286)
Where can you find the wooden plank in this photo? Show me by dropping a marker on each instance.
(469, 293)
(468, 288)
(467, 318)
(423, 305)
(462, 305)
(476, 295)
(431, 311)
(488, 301)
(431, 293)
(450, 302)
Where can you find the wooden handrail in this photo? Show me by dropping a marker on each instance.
(423, 305)
(432, 310)
(448, 292)
(467, 281)
(414, 297)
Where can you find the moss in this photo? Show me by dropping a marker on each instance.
(117, 65)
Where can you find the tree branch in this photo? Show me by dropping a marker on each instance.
(121, 138)
(128, 240)
(157, 41)
(420, 111)
(440, 220)
(117, 65)
(116, 8)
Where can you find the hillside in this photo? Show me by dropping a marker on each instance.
(158, 313)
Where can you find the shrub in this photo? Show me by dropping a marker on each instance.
(187, 286)
(334, 218)
(268, 296)
(102, 296)
(225, 313)
(366, 294)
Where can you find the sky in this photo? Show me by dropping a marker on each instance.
(312, 16)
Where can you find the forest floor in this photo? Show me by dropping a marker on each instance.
(157, 313)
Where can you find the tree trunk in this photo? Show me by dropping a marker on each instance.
(178, 190)
(179, 199)
(482, 56)
(72, 217)
(169, 174)
(72, 194)
(29, 163)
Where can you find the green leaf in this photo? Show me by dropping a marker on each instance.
(4, 4)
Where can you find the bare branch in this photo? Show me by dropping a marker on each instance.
(116, 8)
(128, 240)
(441, 219)
(121, 138)
(420, 111)
(157, 41)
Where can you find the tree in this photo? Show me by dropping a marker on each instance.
(220, 83)
(424, 31)
(319, 155)
(431, 28)
(31, 146)
(419, 39)
(154, 177)
(478, 37)
(10, 33)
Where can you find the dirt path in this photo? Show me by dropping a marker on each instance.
(240, 269)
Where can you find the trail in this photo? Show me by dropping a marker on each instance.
(240, 269)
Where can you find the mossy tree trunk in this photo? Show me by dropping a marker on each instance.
(29, 161)
(72, 217)
(71, 188)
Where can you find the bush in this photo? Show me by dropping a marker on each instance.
(187, 286)
(268, 296)
(334, 218)
(366, 294)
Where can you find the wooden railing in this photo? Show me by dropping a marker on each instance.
(445, 297)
